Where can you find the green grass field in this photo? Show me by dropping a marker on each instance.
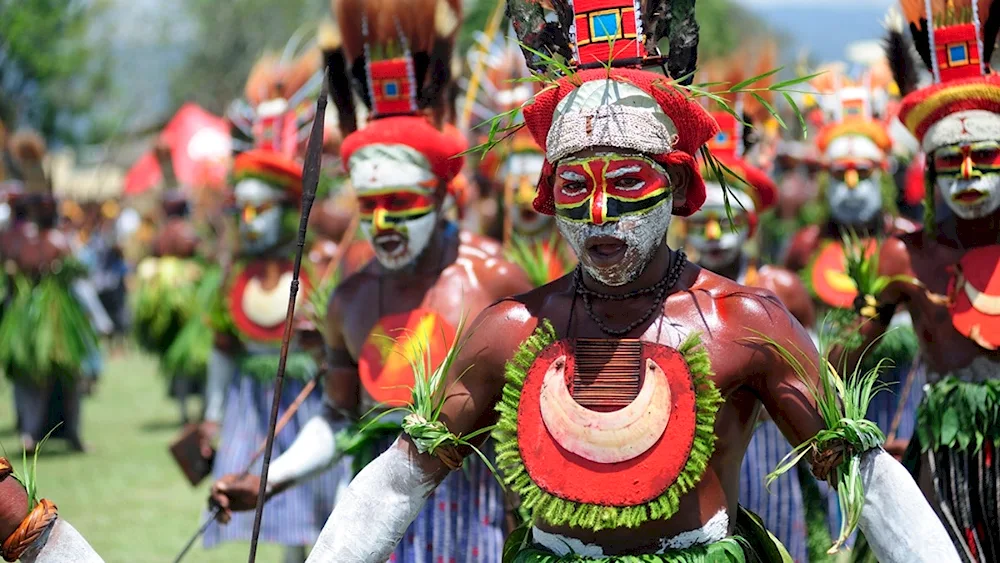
(126, 495)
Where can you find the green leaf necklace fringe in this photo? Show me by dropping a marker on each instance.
(557, 511)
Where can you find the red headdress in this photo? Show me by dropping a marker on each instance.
(852, 115)
(608, 100)
(399, 53)
(955, 44)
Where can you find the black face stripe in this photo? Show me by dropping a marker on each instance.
(394, 219)
(615, 208)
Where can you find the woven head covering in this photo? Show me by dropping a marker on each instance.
(853, 131)
(955, 42)
(400, 53)
(609, 100)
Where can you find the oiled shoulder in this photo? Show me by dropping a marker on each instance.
(736, 305)
(895, 253)
(479, 259)
(481, 243)
(801, 248)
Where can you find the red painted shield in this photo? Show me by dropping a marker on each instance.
(384, 362)
(829, 278)
(269, 332)
(975, 296)
(627, 483)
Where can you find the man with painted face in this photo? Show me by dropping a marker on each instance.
(426, 277)
(627, 390)
(512, 169)
(948, 272)
(249, 317)
(720, 246)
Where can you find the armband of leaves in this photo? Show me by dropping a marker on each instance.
(836, 451)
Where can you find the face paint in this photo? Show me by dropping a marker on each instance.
(968, 178)
(521, 172)
(260, 209)
(855, 191)
(719, 241)
(614, 211)
(396, 202)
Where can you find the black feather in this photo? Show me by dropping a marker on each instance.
(656, 17)
(990, 29)
(920, 41)
(436, 78)
(339, 83)
(899, 54)
(550, 38)
(683, 57)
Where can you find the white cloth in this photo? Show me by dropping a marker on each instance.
(374, 512)
(221, 369)
(61, 544)
(86, 294)
(313, 451)
(897, 521)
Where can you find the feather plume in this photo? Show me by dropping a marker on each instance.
(338, 76)
(899, 53)
(916, 16)
(684, 33)
(989, 18)
(539, 34)
(272, 78)
(656, 17)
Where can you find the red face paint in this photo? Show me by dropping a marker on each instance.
(604, 188)
(385, 208)
(966, 161)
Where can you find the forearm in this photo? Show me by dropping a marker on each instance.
(897, 521)
(313, 451)
(61, 544)
(376, 509)
(220, 372)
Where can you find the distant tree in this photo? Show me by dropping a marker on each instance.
(228, 37)
(53, 66)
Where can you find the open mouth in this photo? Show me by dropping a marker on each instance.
(969, 197)
(391, 244)
(604, 251)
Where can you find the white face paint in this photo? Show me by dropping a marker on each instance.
(523, 169)
(855, 191)
(966, 176)
(614, 210)
(719, 242)
(395, 190)
(260, 209)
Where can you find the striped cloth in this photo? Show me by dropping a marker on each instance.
(462, 521)
(296, 516)
(780, 505)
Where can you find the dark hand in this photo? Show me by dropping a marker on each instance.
(207, 433)
(896, 448)
(234, 493)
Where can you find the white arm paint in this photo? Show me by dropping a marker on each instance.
(313, 451)
(221, 368)
(897, 521)
(86, 294)
(374, 512)
(61, 544)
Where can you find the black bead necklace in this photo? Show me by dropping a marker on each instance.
(659, 289)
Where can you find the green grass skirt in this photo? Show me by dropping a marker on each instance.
(751, 543)
(164, 301)
(45, 331)
(187, 355)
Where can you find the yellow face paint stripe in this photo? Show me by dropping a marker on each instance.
(948, 95)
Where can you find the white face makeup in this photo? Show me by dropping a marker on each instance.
(614, 211)
(395, 190)
(967, 176)
(522, 169)
(718, 241)
(855, 191)
(260, 215)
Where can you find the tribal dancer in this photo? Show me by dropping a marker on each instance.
(512, 169)
(168, 286)
(720, 244)
(855, 146)
(949, 270)
(50, 327)
(426, 277)
(31, 530)
(626, 391)
(251, 312)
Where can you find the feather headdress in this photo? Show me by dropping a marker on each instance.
(397, 55)
(955, 40)
(607, 97)
(277, 109)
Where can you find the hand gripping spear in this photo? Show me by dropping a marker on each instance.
(310, 181)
